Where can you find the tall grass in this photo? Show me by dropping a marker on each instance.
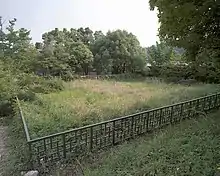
(89, 101)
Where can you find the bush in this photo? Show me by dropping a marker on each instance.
(23, 85)
(171, 73)
(54, 85)
(69, 76)
(38, 84)
(6, 108)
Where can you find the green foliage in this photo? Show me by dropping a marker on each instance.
(7, 88)
(38, 84)
(17, 61)
(65, 52)
(77, 51)
(102, 60)
(167, 62)
(15, 47)
(83, 57)
(172, 73)
(118, 52)
(193, 25)
(159, 54)
(15, 83)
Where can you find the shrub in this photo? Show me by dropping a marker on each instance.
(26, 95)
(38, 84)
(24, 86)
(69, 76)
(5, 108)
(170, 72)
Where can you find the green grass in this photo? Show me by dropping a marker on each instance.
(88, 101)
(191, 148)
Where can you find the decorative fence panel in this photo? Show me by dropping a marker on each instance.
(94, 137)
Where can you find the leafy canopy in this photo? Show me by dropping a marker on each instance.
(191, 24)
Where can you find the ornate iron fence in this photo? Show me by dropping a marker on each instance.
(81, 141)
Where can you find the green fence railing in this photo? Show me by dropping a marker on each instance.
(83, 140)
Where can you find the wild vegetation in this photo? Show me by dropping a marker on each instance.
(192, 25)
(45, 76)
(88, 101)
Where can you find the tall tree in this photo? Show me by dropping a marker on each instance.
(118, 52)
(83, 57)
(86, 35)
(65, 51)
(16, 47)
(193, 25)
(159, 54)
(102, 58)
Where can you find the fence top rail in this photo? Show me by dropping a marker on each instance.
(23, 120)
(119, 118)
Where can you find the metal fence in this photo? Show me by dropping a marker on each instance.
(81, 141)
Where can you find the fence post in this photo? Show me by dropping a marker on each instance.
(160, 118)
(210, 102)
(64, 145)
(91, 138)
(132, 126)
(204, 104)
(190, 110)
(217, 101)
(30, 155)
(171, 115)
(197, 105)
(147, 122)
(113, 133)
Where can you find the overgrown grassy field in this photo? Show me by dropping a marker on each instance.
(190, 148)
(89, 101)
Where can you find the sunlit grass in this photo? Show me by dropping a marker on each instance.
(89, 101)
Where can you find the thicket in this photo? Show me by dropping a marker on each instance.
(174, 64)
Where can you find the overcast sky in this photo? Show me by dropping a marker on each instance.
(43, 15)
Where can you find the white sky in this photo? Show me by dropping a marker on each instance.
(43, 15)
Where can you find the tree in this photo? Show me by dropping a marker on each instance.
(86, 35)
(193, 25)
(66, 51)
(103, 62)
(54, 54)
(16, 47)
(102, 58)
(98, 35)
(117, 52)
(159, 54)
(82, 57)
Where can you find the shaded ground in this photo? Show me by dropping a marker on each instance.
(3, 150)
